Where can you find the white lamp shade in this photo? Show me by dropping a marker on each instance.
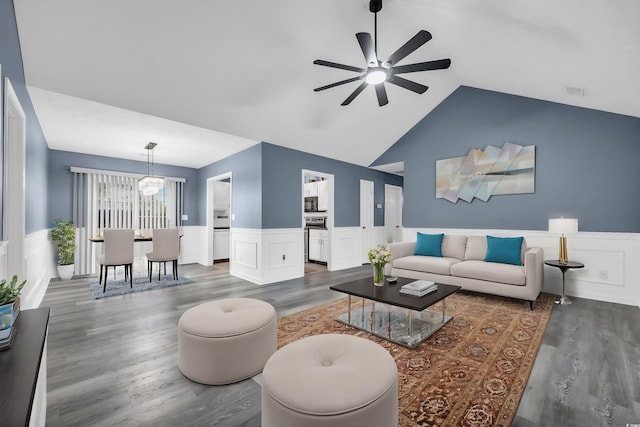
(563, 225)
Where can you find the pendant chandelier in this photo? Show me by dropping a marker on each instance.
(150, 184)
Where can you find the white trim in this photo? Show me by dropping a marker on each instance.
(75, 169)
(14, 218)
(346, 244)
(40, 253)
(208, 250)
(330, 210)
(613, 255)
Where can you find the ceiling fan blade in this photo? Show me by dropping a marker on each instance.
(415, 42)
(336, 65)
(368, 50)
(407, 84)
(354, 93)
(382, 94)
(353, 79)
(438, 64)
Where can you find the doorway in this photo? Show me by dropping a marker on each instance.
(219, 218)
(317, 220)
(366, 218)
(393, 213)
(14, 182)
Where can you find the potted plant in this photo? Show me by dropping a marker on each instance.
(64, 233)
(9, 305)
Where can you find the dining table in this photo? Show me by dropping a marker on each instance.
(137, 238)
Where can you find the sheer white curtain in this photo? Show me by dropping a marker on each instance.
(105, 199)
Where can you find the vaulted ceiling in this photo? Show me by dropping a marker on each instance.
(205, 79)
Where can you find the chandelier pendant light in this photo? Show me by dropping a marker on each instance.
(150, 184)
(377, 73)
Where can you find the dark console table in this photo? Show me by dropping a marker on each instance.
(20, 366)
(563, 266)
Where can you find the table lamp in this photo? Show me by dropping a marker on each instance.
(563, 226)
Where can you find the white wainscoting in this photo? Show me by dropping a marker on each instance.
(40, 257)
(273, 255)
(193, 245)
(267, 256)
(346, 248)
(612, 262)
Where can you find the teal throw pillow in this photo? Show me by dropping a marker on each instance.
(505, 250)
(429, 244)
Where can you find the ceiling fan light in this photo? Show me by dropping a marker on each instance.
(376, 76)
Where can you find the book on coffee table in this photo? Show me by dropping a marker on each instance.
(419, 285)
(418, 288)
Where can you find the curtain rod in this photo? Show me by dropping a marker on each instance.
(76, 169)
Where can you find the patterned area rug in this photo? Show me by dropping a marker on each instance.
(472, 372)
(140, 284)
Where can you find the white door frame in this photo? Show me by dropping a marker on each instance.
(209, 213)
(330, 209)
(367, 220)
(14, 182)
(393, 208)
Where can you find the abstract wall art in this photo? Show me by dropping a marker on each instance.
(485, 173)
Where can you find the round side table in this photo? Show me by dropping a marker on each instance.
(563, 266)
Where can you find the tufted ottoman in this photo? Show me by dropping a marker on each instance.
(225, 341)
(330, 380)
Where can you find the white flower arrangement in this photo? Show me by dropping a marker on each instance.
(379, 256)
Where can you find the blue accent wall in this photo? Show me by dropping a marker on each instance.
(267, 187)
(586, 163)
(246, 189)
(36, 145)
(60, 184)
(282, 187)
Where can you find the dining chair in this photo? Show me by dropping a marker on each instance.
(117, 250)
(166, 247)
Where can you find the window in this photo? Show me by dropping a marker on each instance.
(103, 199)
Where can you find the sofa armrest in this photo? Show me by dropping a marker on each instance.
(401, 249)
(534, 269)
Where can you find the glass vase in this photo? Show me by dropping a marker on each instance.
(378, 274)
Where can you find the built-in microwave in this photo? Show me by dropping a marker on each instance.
(311, 204)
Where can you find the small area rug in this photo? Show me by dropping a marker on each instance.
(472, 372)
(140, 284)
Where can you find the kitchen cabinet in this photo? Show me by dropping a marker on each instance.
(318, 245)
(221, 195)
(221, 239)
(311, 189)
(323, 195)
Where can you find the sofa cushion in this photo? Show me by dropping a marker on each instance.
(454, 245)
(476, 248)
(427, 264)
(505, 250)
(491, 271)
(429, 244)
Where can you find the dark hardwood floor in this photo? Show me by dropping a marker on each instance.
(114, 361)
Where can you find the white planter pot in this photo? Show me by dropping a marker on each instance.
(65, 271)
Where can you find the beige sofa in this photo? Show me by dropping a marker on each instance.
(462, 264)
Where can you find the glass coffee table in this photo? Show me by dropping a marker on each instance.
(386, 313)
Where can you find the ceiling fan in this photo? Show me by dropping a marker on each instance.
(377, 73)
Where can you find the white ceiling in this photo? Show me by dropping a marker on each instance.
(206, 79)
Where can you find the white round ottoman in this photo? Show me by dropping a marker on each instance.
(226, 341)
(330, 380)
